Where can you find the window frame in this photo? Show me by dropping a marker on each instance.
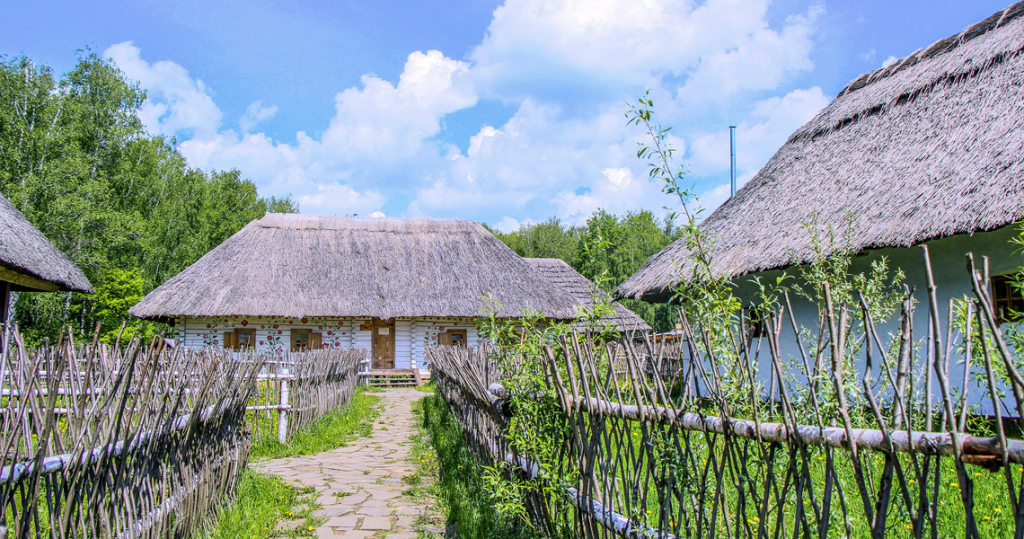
(1007, 298)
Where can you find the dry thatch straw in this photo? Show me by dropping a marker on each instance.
(29, 261)
(925, 148)
(584, 292)
(293, 265)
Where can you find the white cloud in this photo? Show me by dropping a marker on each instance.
(775, 119)
(254, 114)
(758, 60)
(175, 102)
(341, 199)
(890, 61)
(617, 192)
(382, 120)
(511, 224)
(567, 66)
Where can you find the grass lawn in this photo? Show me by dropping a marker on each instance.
(329, 432)
(261, 502)
(459, 488)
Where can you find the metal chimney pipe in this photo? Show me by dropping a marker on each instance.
(732, 164)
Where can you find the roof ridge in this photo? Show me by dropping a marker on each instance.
(942, 46)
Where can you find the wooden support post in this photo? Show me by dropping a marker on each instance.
(282, 414)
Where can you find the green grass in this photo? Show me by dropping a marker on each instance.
(260, 503)
(421, 484)
(459, 488)
(329, 432)
(428, 387)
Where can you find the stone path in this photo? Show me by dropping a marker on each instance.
(359, 486)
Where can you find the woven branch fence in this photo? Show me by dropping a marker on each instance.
(296, 389)
(143, 440)
(139, 441)
(863, 435)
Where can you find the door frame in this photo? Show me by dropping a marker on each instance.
(375, 325)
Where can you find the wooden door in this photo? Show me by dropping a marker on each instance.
(383, 343)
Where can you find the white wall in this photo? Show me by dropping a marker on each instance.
(412, 336)
(272, 333)
(952, 280)
(403, 344)
(425, 331)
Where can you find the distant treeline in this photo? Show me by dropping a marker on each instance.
(607, 250)
(121, 202)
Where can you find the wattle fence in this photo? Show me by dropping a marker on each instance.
(294, 390)
(860, 436)
(144, 440)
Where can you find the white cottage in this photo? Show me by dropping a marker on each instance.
(395, 287)
(928, 150)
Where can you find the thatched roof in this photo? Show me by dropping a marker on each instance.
(29, 261)
(926, 148)
(295, 265)
(583, 292)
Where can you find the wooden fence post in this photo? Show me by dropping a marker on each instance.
(282, 415)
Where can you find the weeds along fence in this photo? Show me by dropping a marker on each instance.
(862, 435)
(296, 389)
(133, 441)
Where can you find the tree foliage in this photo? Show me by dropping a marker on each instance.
(607, 249)
(122, 203)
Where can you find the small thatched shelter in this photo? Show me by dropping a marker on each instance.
(929, 147)
(29, 262)
(584, 292)
(394, 286)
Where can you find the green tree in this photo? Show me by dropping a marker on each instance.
(76, 160)
(120, 289)
(607, 250)
(550, 239)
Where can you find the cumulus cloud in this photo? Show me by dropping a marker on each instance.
(176, 102)
(566, 66)
(382, 120)
(617, 191)
(773, 120)
(760, 59)
(341, 199)
(254, 114)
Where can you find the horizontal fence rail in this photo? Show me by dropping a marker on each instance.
(861, 434)
(133, 441)
(146, 440)
(293, 390)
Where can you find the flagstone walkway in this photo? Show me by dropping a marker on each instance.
(359, 487)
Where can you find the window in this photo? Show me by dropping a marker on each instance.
(304, 340)
(240, 339)
(246, 338)
(1006, 298)
(452, 337)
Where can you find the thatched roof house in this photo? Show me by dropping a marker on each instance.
(583, 292)
(293, 265)
(926, 148)
(392, 286)
(28, 261)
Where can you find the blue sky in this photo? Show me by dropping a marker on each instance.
(500, 112)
